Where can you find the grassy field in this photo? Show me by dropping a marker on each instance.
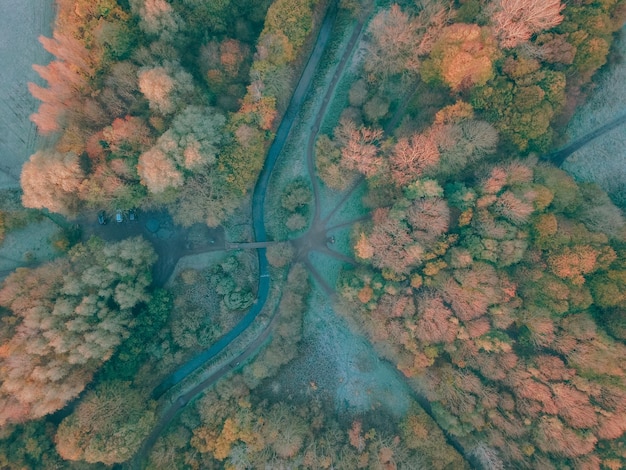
(603, 160)
(21, 23)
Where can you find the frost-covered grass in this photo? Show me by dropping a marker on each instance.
(21, 23)
(603, 160)
(360, 381)
(350, 209)
(30, 244)
(292, 160)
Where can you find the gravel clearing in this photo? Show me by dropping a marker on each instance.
(21, 23)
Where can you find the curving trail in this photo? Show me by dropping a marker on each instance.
(316, 239)
(258, 213)
(258, 202)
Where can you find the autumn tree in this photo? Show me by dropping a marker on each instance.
(524, 88)
(168, 88)
(517, 20)
(412, 157)
(391, 49)
(429, 218)
(462, 57)
(157, 17)
(360, 148)
(435, 321)
(390, 245)
(463, 143)
(205, 197)
(67, 317)
(328, 164)
(66, 78)
(107, 426)
(158, 172)
(51, 180)
(190, 143)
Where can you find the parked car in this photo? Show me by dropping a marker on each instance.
(132, 214)
(102, 218)
(119, 217)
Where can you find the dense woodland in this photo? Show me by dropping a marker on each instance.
(489, 277)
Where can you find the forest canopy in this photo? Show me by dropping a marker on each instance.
(63, 320)
(489, 278)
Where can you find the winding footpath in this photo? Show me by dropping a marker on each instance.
(258, 217)
(315, 239)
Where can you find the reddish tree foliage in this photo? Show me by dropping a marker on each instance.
(552, 368)
(360, 148)
(429, 218)
(496, 180)
(462, 56)
(489, 365)
(471, 291)
(411, 157)
(157, 171)
(67, 48)
(478, 327)
(66, 77)
(130, 132)
(435, 323)
(513, 208)
(574, 406)
(391, 244)
(573, 263)
(611, 425)
(356, 437)
(51, 180)
(156, 84)
(555, 48)
(392, 48)
(555, 438)
(525, 387)
(363, 248)
(517, 20)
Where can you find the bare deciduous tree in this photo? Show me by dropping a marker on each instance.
(517, 20)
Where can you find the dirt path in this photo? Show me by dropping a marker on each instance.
(317, 238)
(310, 147)
(558, 157)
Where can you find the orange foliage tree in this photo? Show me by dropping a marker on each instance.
(462, 57)
(51, 180)
(361, 151)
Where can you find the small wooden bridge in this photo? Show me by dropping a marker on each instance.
(247, 245)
